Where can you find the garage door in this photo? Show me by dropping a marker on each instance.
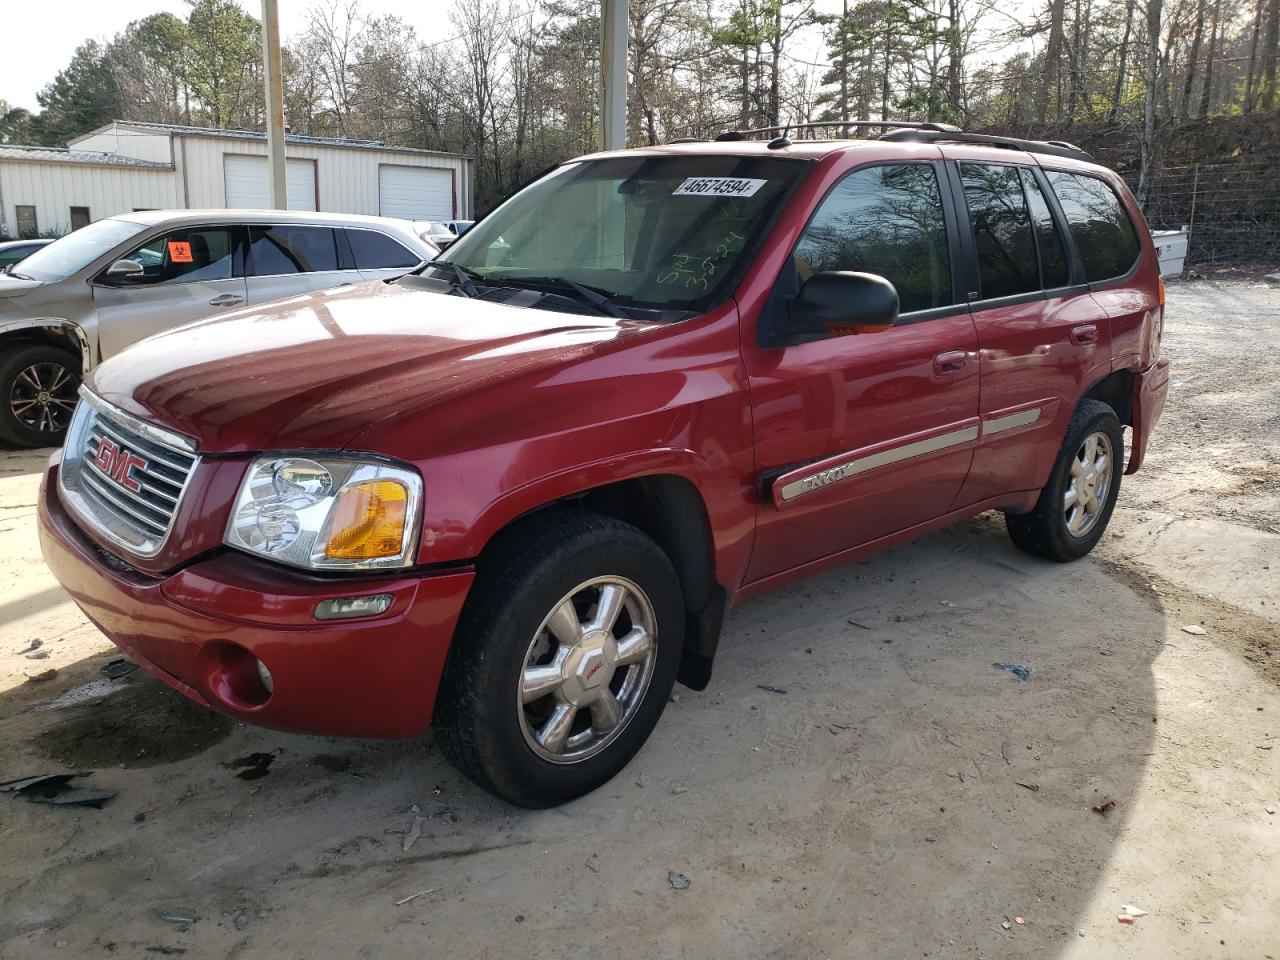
(415, 193)
(246, 183)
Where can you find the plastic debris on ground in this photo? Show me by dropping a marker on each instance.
(770, 689)
(56, 789)
(593, 863)
(119, 668)
(1017, 669)
(1129, 910)
(1194, 629)
(678, 880)
(1006, 751)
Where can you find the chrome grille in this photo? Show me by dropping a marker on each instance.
(122, 477)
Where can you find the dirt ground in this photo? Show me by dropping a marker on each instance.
(902, 797)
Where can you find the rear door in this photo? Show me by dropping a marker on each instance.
(188, 274)
(858, 437)
(285, 260)
(1041, 336)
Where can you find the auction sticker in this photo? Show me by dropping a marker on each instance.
(718, 187)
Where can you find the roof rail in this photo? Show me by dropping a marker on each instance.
(888, 124)
(1055, 148)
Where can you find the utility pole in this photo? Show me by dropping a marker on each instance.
(844, 67)
(273, 81)
(613, 72)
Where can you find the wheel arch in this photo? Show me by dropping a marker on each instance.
(52, 331)
(669, 508)
(1115, 389)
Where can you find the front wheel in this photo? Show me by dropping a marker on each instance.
(563, 660)
(1076, 504)
(38, 392)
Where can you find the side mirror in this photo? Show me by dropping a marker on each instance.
(124, 271)
(843, 302)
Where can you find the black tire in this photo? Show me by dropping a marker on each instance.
(1045, 531)
(27, 420)
(520, 580)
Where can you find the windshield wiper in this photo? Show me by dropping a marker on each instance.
(461, 278)
(14, 273)
(600, 299)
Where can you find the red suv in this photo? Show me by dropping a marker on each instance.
(513, 495)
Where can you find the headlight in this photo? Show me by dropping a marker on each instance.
(327, 513)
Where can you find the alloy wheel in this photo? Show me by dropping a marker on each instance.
(1090, 482)
(587, 669)
(43, 397)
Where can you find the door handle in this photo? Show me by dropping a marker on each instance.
(1084, 334)
(226, 300)
(952, 361)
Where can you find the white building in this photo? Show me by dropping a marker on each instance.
(130, 165)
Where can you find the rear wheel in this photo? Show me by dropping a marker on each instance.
(563, 660)
(38, 392)
(1076, 504)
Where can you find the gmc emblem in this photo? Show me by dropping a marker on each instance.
(117, 464)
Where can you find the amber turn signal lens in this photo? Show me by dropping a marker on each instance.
(1162, 291)
(368, 521)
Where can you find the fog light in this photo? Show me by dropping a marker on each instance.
(349, 607)
(265, 676)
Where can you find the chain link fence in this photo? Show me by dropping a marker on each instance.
(1233, 209)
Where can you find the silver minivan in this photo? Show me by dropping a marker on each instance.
(94, 292)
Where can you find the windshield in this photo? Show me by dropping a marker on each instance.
(663, 232)
(75, 251)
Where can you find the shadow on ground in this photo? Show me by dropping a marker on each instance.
(893, 795)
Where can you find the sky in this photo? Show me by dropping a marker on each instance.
(37, 49)
(37, 46)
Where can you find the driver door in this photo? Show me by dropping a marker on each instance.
(188, 274)
(860, 436)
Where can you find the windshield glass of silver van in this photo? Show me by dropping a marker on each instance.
(76, 251)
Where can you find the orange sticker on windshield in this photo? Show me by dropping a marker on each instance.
(180, 252)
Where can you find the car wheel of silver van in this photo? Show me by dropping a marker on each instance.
(1075, 505)
(563, 659)
(38, 393)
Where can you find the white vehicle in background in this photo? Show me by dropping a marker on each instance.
(442, 232)
(90, 294)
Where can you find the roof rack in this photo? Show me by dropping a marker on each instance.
(1055, 148)
(902, 131)
(784, 129)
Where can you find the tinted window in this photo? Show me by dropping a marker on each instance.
(1053, 256)
(291, 249)
(1001, 230)
(888, 221)
(377, 251)
(186, 256)
(1099, 225)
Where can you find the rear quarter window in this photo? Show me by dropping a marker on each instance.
(1101, 228)
(377, 251)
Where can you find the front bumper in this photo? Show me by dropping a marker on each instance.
(200, 629)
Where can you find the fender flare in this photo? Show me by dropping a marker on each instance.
(577, 480)
(68, 327)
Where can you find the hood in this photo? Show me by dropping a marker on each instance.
(11, 286)
(312, 371)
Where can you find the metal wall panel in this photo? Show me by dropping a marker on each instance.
(54, 188)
